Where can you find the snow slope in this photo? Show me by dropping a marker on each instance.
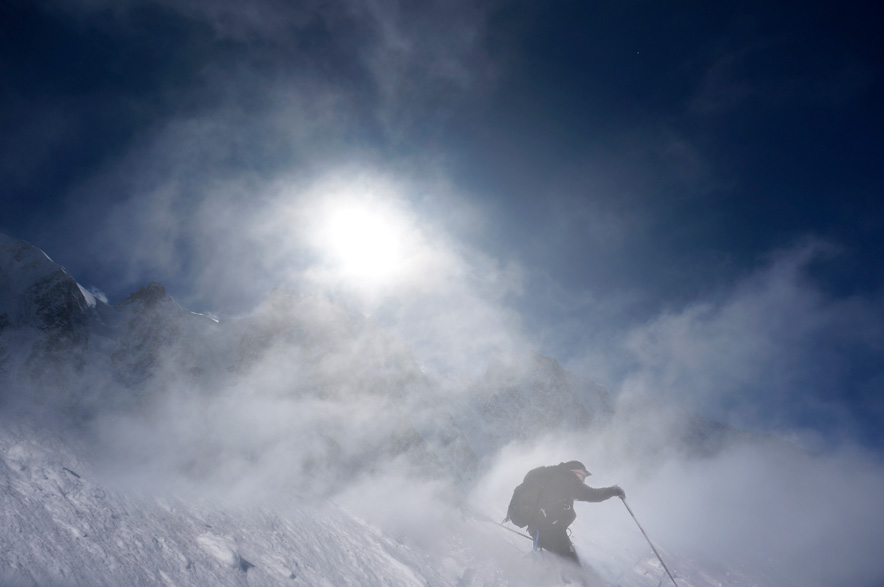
(64, 523)
(62, 527)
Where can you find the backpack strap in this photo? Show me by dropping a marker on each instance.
(535, 506)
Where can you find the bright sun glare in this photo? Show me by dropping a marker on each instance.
(364, 241)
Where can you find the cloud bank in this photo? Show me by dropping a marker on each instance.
(772, 351)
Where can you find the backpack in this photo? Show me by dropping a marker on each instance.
(525, 503)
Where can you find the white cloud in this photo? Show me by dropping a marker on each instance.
(98, 294)
(442, 297)
(772, 349)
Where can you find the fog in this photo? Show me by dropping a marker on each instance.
(308, 398)
(766, 511)
(316, 402)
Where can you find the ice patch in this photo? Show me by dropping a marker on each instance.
(222, 548)
(209, 316)
(19, 456)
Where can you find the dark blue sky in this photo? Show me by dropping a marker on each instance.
(673, 198)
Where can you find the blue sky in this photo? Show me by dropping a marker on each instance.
(675, 200)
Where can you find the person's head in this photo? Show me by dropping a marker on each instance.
(578, 469)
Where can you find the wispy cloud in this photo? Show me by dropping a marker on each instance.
(747, 70)
(774, 350)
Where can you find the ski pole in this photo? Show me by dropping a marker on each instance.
(500, 524)
(514, 531)
(629, 509)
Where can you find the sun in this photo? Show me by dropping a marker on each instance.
(364, 240)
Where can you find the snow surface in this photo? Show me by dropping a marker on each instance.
(62, 527)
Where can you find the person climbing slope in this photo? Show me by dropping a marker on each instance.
(544, 503)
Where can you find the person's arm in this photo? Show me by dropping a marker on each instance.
(596, 494)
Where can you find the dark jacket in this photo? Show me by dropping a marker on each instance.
(561, 488)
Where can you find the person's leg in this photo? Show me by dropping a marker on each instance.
(556, 541)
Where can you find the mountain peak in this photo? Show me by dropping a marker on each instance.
(148, 295)
(22, 261)
(37, 291)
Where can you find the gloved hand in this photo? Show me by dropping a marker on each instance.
(618, 492)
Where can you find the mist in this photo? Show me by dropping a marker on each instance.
(308, 400)
(762, 509)
(324, 404)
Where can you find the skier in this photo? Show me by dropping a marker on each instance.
(550, 496)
